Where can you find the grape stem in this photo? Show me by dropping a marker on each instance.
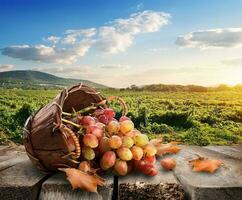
(66, 113)
(72, 123)
(84, 110)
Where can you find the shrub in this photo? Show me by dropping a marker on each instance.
(236, 117)
(157, 128)
(22, 114)
(171, 118)
(209, 119)
(197, 137)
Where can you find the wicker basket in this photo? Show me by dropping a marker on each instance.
(44, 139)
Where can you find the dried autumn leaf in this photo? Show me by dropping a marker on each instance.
(168, 149)
(80, 179)
(205, 165)
(174, 143)
(156, 142)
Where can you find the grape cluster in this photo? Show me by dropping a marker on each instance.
(116, 144)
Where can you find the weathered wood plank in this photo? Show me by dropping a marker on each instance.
(139, 186)
(5, 149)
(57, 187)
(11, 155)
(2, 147)
(224, 184)
(13, 161)
(233, 151)
(22, 181)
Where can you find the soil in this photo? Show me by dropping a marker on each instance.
(146, 191)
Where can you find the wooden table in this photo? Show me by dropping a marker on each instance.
(20, 180)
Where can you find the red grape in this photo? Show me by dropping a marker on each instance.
(95, 130)
(146, 168)
(168, 163)
(109, 113)
(123, 118)
(104, 145)
(137, 152)
(121, 167)
(150, 159)
(87, 121)
(115, 142)
(126, 126)
(149, 150)
(153, 171)
(130, 166)
(100, 125)
(108, 160)
(90, 140)
(103, 119)
(124, 153)
(84, 166)
(113, 127)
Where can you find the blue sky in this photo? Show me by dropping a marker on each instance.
(119, 43)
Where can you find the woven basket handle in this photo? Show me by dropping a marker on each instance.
(122, 103)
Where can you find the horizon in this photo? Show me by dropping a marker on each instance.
(123, 43)
(173, 84)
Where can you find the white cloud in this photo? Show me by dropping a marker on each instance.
(116, 37)
(120, 34)
(73, 35)
(212, 38)
(142, 22)
(69, 39)
(48, 54)
(140, 6)
(117, 66)
(53, 39)
(6, 67)
(110, 41)
(89, 32)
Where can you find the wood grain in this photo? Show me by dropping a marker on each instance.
(225, 183)
(57, 187)
(22, 181)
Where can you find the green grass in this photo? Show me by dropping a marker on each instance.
(194, 118)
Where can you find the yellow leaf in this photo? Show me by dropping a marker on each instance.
(156, 142)
(205, 165)
(83, 180)
(168, 149)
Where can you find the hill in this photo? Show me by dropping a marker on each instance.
(36, 79)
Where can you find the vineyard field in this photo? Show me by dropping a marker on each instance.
(200, 118)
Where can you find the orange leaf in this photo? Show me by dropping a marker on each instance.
(205, 165)
(156, 142)
(174, 143)
(80, 179)
(168, 149)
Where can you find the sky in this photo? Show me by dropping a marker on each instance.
(119, 43)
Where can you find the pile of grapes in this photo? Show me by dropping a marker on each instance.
(111, 144)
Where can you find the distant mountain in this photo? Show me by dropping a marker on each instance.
(36, 79)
